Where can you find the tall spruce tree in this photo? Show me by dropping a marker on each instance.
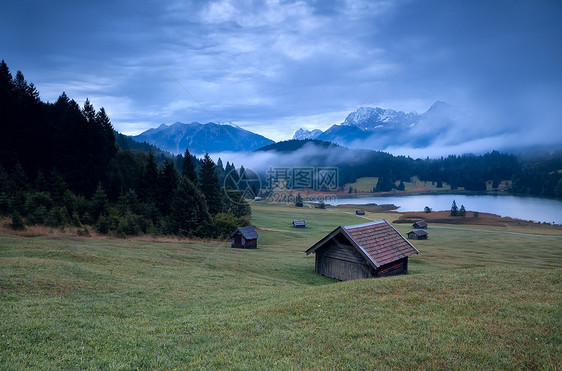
(167, 184)
(454, 209)
(5, 76)
(149, 182)
(100, 204)
(189, 213)
(88, 111)
(209, 185)
(231, 177)
(188, 167)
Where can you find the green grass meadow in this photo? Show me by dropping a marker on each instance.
(474, 298)
(366, 184)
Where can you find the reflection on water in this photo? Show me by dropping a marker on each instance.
(526, 208)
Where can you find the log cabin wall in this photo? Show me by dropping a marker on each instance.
(342, 262)
(393, 269)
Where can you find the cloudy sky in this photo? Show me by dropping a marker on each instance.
(275, 66)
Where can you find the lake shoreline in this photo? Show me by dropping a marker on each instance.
(525, 208)
(444, 217)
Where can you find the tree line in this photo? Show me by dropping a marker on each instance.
(61, 164)
(538, 176)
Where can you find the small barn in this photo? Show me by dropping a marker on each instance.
(244, 238)
(299, 223)
(374, 249)
(418, 234)
(360, 212)
(420, 225)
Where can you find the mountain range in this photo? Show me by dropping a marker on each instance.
(368, 128)
(202, 138)
(379, 128)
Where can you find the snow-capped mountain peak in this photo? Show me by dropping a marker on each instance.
(368, 118)
(302, 134)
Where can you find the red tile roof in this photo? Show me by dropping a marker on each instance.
(379, 241)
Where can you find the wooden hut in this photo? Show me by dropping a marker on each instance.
(420, 224)
(360, 212)
(244, 238)
(374, 249)
(299, 223)
(418, 234)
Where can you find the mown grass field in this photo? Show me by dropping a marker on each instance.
(475, 298)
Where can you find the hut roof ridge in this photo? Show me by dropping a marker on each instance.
(248, 232)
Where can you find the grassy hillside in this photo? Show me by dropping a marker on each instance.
(475, 298)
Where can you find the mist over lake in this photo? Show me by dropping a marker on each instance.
(526, 208)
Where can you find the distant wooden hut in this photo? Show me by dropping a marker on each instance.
(244, 238)
(420, 224)
(418, 234)
(374, 249)
(360, 212)
(299, 223)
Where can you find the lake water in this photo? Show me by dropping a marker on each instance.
(526, 208)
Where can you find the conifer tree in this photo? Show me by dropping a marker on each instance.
(454, 209)
(220, 172)
(231, 177)
(107, 135)
(88, 111)
(188, 167)
(5, 76)
(41, 184)
(100, 203)
(189, 213)
(149, 182)
(167, 184)
(20, 85)
(298, 201)
(209, 185)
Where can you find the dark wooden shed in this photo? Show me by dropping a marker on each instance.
(360, 212)
(374, 249)
(420, 224)
(244, 238)
(299, 223)
(418, 234)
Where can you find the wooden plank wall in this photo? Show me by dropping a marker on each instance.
(342, 263)
(393, 269)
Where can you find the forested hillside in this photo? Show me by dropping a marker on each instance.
(540, 175)
(60, 164)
